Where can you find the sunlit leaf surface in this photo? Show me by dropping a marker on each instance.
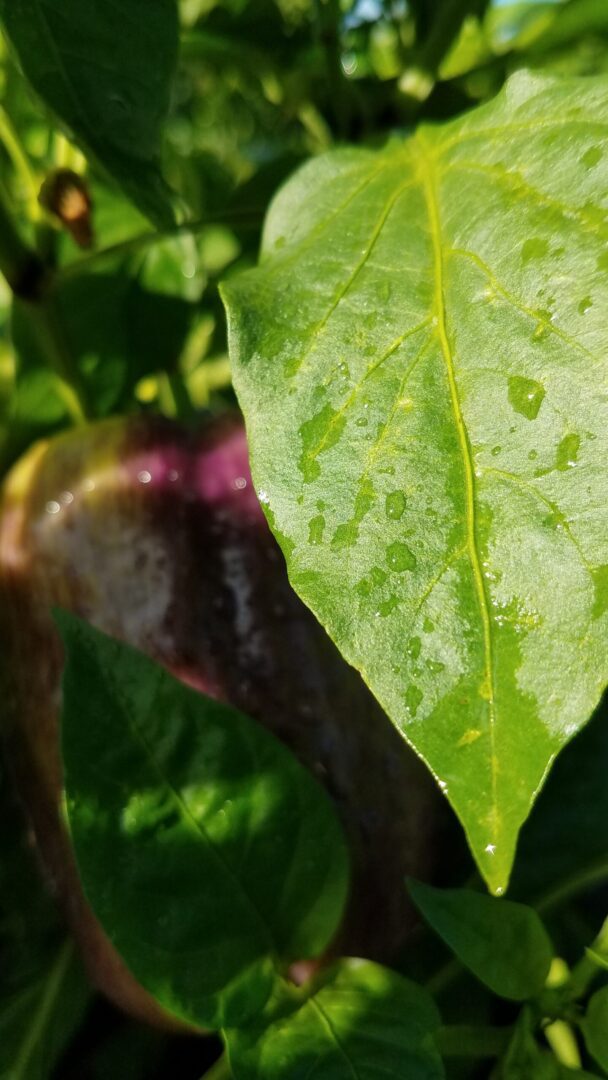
(422, 357)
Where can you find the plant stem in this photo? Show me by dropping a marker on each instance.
(588, 967)
(418, 79)
(231, 219)
(462, 1040)
(49, 329)
(328, 32)
(596, 874)
(31, 283)
(15, 151)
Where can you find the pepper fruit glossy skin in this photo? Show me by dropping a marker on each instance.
(154, 534)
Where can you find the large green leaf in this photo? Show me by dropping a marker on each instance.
(504, 944)
(421, 358)
(227, 860)
(362, 1021)
(104, 67)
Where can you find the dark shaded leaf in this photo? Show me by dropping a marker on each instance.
(362, 1021)
(104, 67)
(232, 844)
(503, 943)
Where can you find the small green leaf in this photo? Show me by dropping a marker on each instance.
(227, 861)
(503, 943)
(595, 1027)
(105, 69)
(428, 323)
(362, 1021)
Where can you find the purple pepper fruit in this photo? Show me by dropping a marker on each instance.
(155, 535)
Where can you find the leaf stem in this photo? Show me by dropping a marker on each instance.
(590, 965)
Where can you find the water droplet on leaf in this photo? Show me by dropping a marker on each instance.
(567, 452)
(591, 157)
(526, 396)
(399, 557)
(316, 527)
(395, 505)
(413, 697)
(534, 248)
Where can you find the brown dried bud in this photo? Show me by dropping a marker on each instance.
(66, 195)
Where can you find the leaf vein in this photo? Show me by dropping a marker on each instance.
(538, 316)
(429, 184)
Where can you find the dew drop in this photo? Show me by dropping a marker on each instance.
(534, 248)
(413, 697)
(414, 647)
(399, 557)
(490, 849)
(364, 587)
(591, 157)
(585, 305)
(263, 497)
(526, 396)
(428, 625)
(395, 505)
(533, 454)
(435, 666)
(567, 452)
(388, 606)
(469, 737)
(316, 527)
(600, 582)
(495, 451)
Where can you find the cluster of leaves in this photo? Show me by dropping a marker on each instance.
(422, 348)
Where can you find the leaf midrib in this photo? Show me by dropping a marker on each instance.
(425, 161)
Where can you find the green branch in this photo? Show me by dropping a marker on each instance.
(21, 267)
